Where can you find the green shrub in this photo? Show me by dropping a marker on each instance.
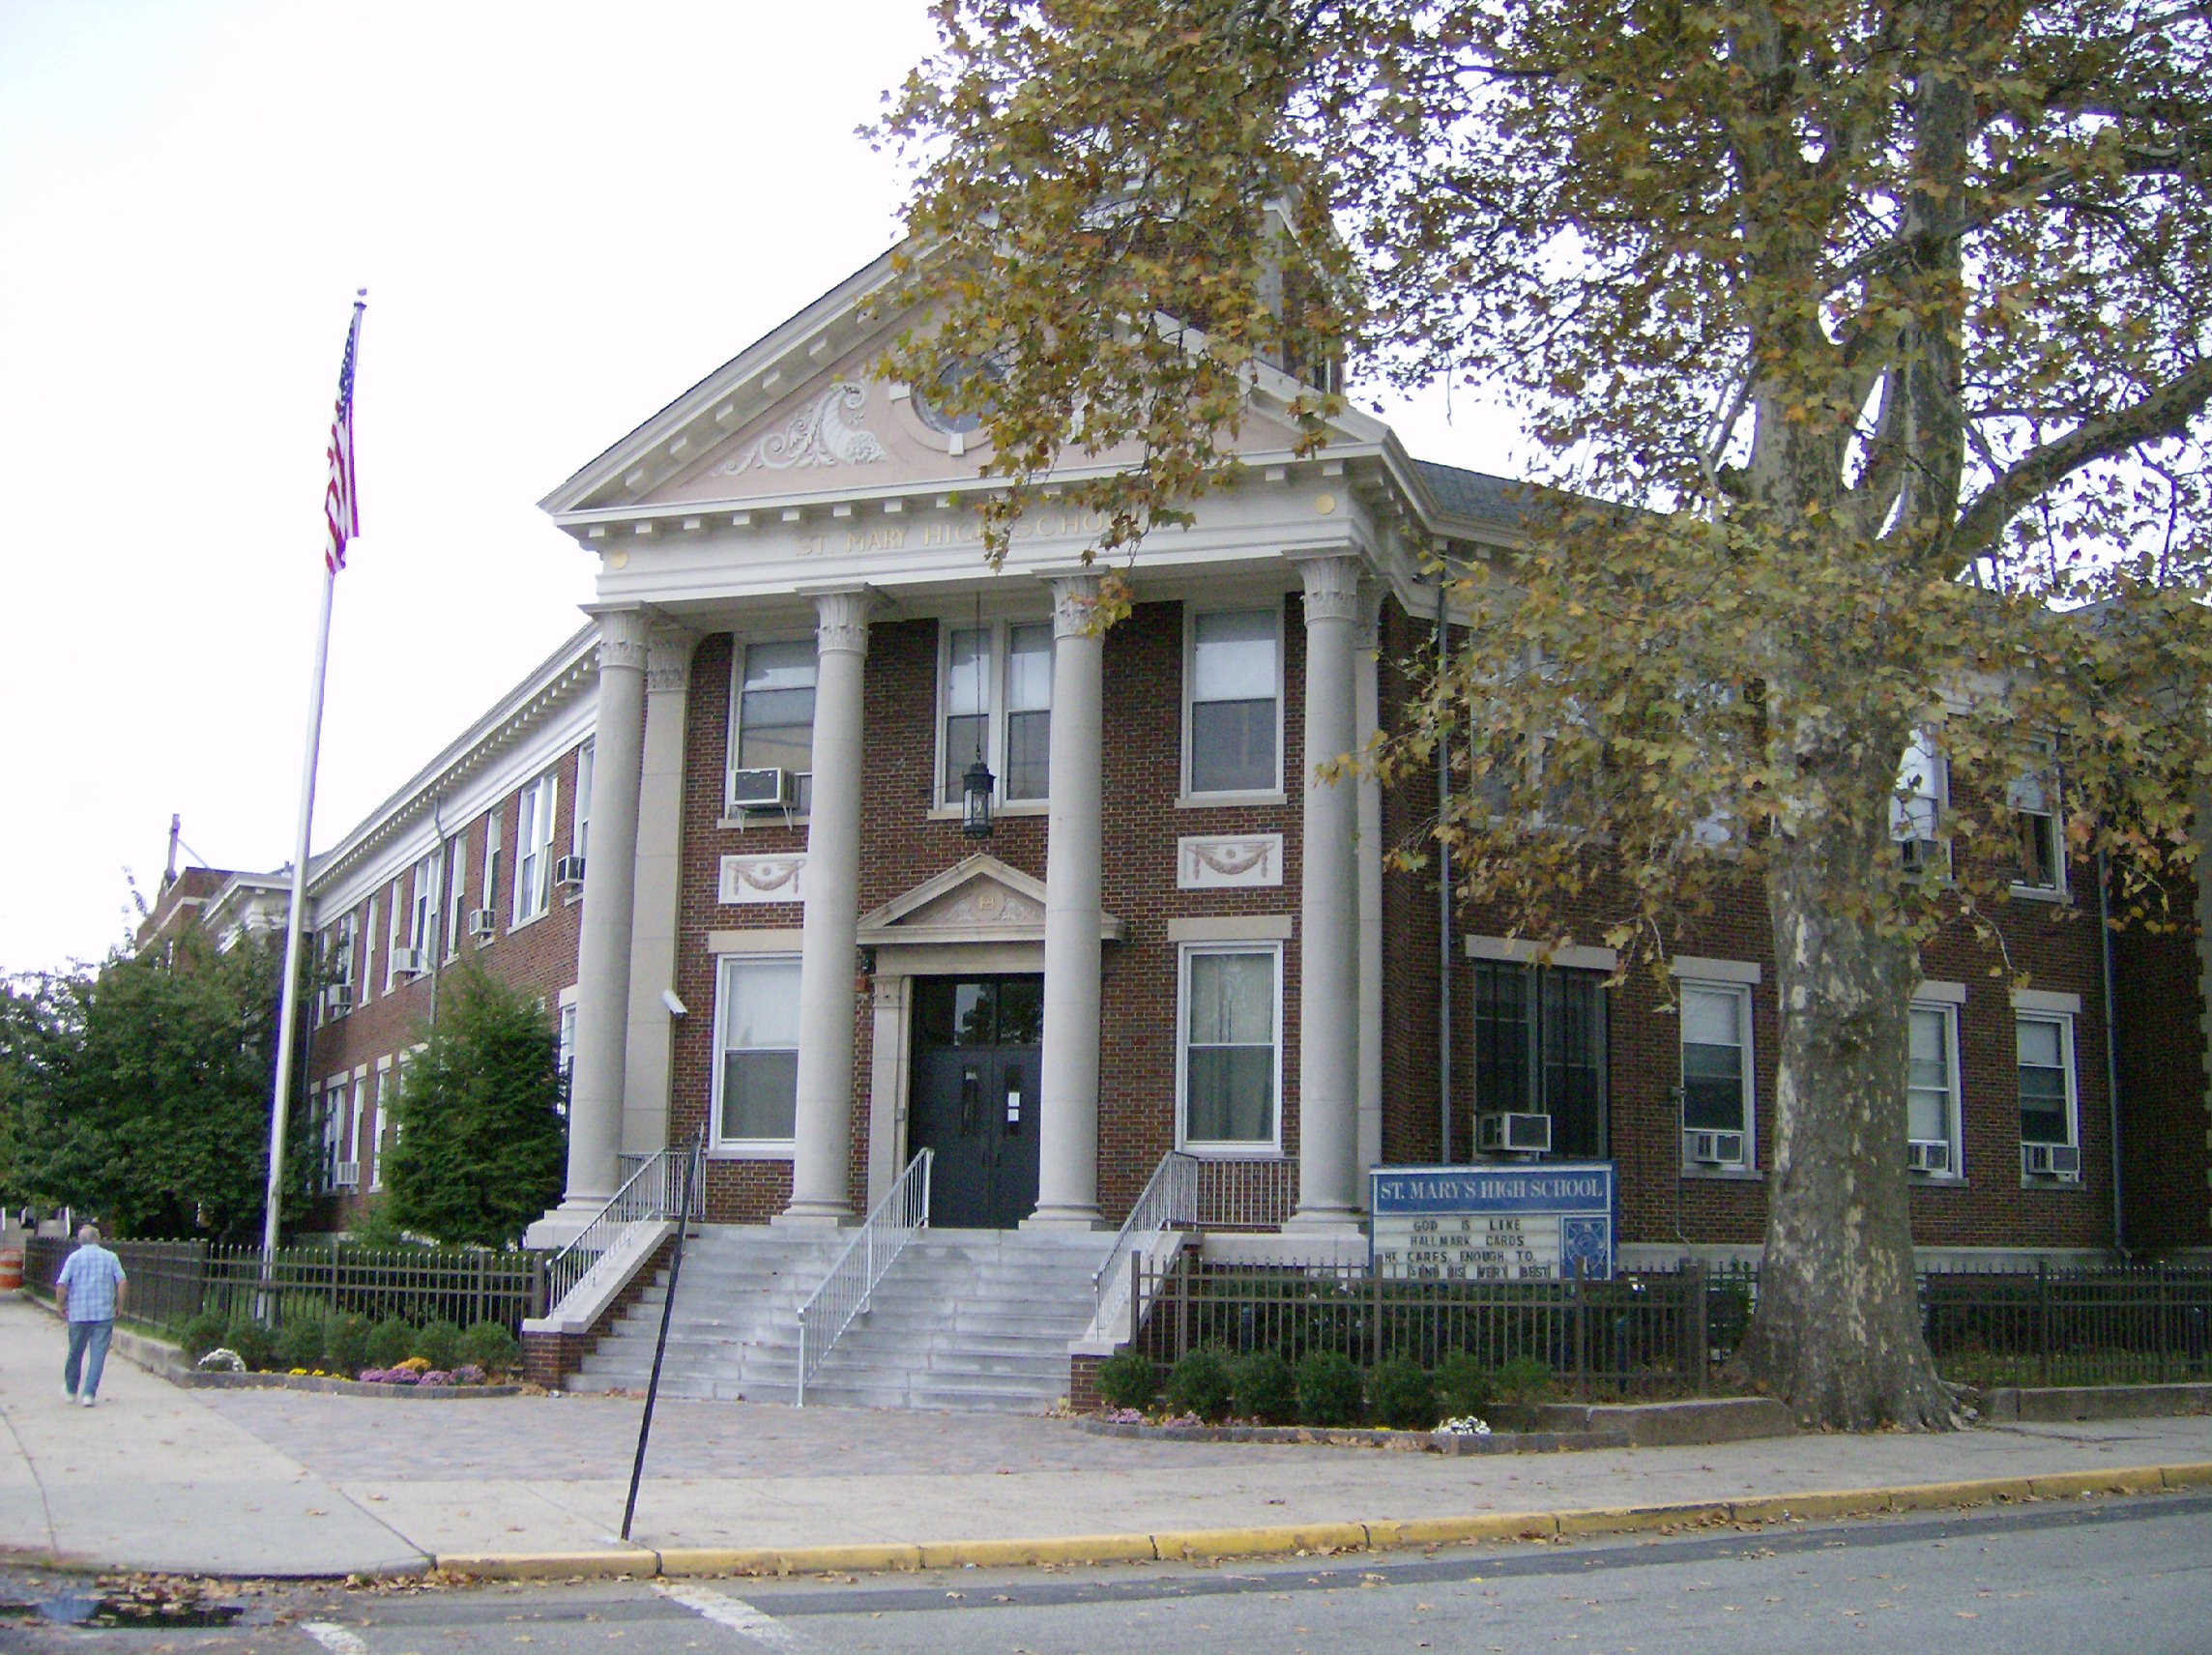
(1199, 1384)
(1127, 1379)
(249, 1339)
(299, 1343)
(346, 1343)
(1523, 1381)
(1265, 1388)
(436, 1342)
(388, 1342)
(1401, 1395)
(1464, 1387)
(201, 1334)
(1329, 1390)
(491, 1346)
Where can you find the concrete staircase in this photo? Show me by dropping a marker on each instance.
(967, 1319)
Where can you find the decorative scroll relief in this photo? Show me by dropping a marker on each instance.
(763, 879)
(980, 902)
(1248, 859)
(827, 432)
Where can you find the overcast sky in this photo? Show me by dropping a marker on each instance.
(565, 215)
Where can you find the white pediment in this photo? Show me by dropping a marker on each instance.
(979, 900)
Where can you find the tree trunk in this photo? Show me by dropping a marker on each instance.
(1837, 1335)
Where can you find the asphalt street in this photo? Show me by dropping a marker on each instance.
(2104, 1577)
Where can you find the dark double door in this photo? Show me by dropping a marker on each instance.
(974, 1101)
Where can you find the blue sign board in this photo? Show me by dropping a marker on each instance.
(1536, 1222)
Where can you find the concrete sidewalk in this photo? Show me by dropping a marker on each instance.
(293, 1483)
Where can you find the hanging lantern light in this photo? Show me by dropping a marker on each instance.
(975, 794)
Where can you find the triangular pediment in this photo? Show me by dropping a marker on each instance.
(979, 900)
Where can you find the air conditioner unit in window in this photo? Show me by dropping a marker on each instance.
(568, 873)
(346, 1175)
(410, 961)
(1513, 1134)
(337, 999)
(1928, 1155)
(1713, 1148)
(760, 790)
(2050, 1160)
(481, 923)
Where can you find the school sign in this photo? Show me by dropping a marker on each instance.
(1472, 1224)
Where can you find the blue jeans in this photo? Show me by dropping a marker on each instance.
(88, 1352)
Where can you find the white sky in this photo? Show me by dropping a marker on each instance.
(565, 215)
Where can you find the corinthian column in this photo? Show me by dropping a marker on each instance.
(603, 943)
(1328, 964)
(825, 1115)
(653, 917)
(1067, 1170)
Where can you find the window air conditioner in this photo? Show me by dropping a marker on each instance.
(1713, 1148)
(1514, 1133)
(760, 790)
(410, 961)
(337, 999)
(481, 923)
(2050, 1160)
(568, 872)
(347, 1175)
(1928, 1155)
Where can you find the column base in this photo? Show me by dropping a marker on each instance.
(1327, 1221)
(1065, 1218)
(562, 1224)
(824, 1217)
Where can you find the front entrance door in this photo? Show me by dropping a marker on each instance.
(975, 1047)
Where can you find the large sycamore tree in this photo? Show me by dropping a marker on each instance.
(1867, 344)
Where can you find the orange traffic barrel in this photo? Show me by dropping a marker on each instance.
(11, 1268)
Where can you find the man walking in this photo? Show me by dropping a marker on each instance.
(89, 1291)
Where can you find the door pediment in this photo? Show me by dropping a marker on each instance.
(980, 900)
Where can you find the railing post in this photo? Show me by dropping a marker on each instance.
(1136, 1292)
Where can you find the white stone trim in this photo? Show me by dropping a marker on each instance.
(1703, 968)
(1212, 862)
(1520, 951)
(1941, 993)
(757, 939)
(776, 877)
(2045, 1000)
(1234, 928)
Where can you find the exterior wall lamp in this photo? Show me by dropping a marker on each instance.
(976, 800)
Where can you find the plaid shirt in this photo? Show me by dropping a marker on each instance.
(92, 1274)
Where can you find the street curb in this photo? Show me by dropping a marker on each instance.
(1286, 1539)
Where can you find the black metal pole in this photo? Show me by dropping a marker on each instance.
(660, 1345)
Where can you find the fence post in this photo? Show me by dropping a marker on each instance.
(1183, 1304)
(1582, 1334)
(2043, 1320)
(1136, 1291)
(1700, 1335)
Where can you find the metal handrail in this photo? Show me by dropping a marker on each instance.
(1170, 1202)
(844, 1292)
(654, 1191)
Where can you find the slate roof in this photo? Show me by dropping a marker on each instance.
(1476, 493)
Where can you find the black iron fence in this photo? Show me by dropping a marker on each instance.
(1668, 1333)
(172, 1280)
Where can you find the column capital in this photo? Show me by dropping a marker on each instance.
(1332, 587)
(622, 634)
(668, 650)
(1074, 605)
(841, 623)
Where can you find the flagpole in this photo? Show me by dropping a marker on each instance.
(288, 1006)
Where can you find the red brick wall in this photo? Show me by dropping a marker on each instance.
(2158, 990)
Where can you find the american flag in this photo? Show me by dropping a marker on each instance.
(341, 512)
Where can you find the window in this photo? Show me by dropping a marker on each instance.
(996, 692)
(2046, 1050)
(565, 1052)
(773, 715)
(423, 905)
(491, 846)
(1539, 1049)
(376, 1144)
(1716, 1074)
(534, 849)
(756, 1090)
(1931, 1090)
(367, 972)
(391, 941)
(1233, 728)
(2036, 830)
(337, 959)
(581, 830)
(1232, 1049)
(456, 898)
(1916, 808)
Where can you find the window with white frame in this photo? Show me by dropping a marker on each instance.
(422, 905)
(2038, 833)
(756, 1082)
(1931, 1090)
(580, 830)
(367, 978)
(1916, 808)
(456, 897)
(771, 714)
(491, 849)
(534, 849)
(1540, 1049)
(359, 1117)
(1231, 1074)
(1233, 722)
(376, 1143)
(2045, 1044)
(1716, 1074)
(564, 1054)
(338, 960)
(995, 693)
(339, 1127)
